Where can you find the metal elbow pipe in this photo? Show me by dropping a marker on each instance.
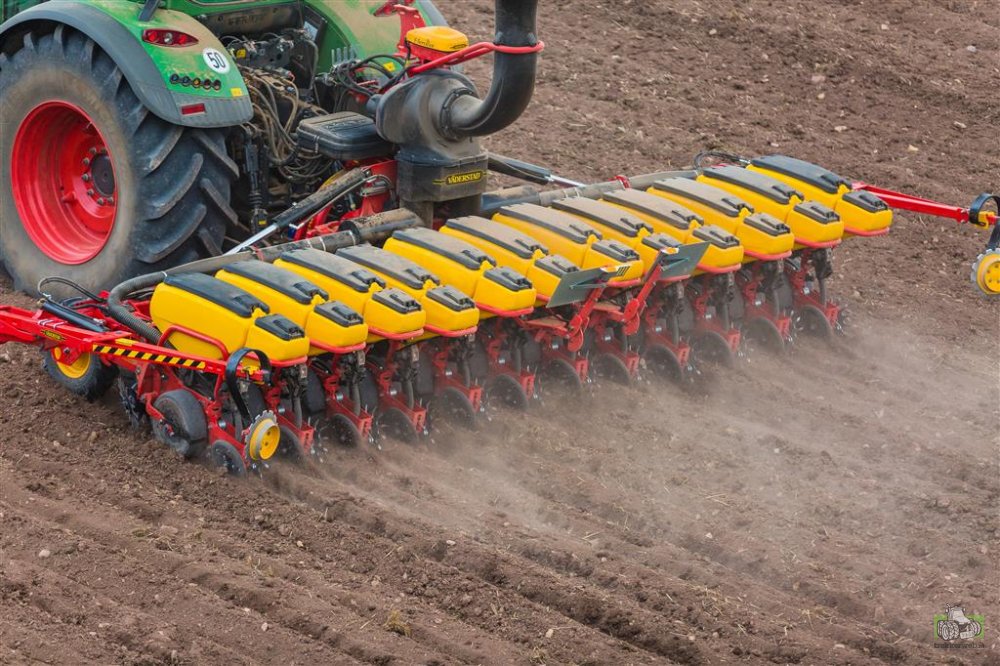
(513, 77)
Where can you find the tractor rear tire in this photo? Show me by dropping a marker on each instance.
(93, 185)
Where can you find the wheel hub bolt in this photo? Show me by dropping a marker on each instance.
(111, 201)
(86, 177)
(90, 193)
(101, 201)
(86, 161)
(92, 152)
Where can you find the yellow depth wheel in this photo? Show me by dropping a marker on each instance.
(263, 438)
(86, 376)
(986, 272)
(75, 370)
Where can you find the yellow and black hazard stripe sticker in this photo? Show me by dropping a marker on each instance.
(165, 359)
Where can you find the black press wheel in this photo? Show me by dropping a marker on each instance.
(711, 346)
(560, 375)
(764, 334)
(332, 432)
(612, 368)
(93, 186)
(663, 363)
(343, 432)
(183, 428)
(85, 376)
(290, 447)
(223, 454)
(453, 406)
(812, 321)
(507, 391)
(394, 423)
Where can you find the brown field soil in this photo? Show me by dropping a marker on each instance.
(818, 507)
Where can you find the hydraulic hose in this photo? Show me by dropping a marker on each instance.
(513, 77)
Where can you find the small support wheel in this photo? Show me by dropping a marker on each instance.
(394, 423)
(455, 407)
(813, 321)
(86, 376)
(986, 272)
(609, 366)
(560, 374)
(509, 392)
(223, 454)
(184, 427)
(664, 363)
(763, 333)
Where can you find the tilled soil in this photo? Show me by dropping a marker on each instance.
(818, 507)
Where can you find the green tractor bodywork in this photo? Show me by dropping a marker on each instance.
(164, 78)
(135, 137)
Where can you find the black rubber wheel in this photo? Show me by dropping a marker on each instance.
(394, 423)
(224, 454)
(507, 391)
(336, 430)
(185, 429)
(167, 187)
(453, 406)
(290, 446)
(87, 376)
(812, 321)
(763, 333)
(560, 375)
(663, 363)
(611, 367)
(712, 347)
(343, 431)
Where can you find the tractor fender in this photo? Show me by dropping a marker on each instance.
(122, 44)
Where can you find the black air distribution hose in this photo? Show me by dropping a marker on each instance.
(371, 229)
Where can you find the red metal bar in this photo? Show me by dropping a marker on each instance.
(474, 51)
(925, 206)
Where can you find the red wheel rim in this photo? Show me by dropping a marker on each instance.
(63, 182)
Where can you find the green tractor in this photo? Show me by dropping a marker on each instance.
(136, 136)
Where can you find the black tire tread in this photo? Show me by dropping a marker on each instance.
(91, 386)
(184, 175)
